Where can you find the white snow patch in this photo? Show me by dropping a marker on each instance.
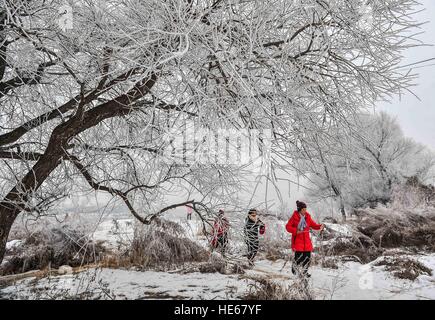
(13, 244)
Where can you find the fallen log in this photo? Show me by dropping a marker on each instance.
(7, 280)
(10, 279)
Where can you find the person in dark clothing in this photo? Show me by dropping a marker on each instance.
(220, 232)
(253, 227)
(299, 226)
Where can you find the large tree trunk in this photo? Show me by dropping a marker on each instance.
(342, 210)
(3, 45)
(16, 200)
(6, 221)
(337, 192)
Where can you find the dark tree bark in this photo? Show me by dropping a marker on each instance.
(15, 201)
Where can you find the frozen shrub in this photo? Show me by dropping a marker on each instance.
(162, 245)
(388, 236)
(216, 263)
(330, 263)
(404, 268)
(53, 248)
(413, 193)
(351, 251)
(261, 288)
(394, 228)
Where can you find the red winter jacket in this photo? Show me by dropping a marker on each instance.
(220, 229)
(221, 226)
(301, 241)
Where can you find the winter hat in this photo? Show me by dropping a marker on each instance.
(300, 205)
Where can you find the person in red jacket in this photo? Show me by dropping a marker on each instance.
(220, 232)
(299, 226)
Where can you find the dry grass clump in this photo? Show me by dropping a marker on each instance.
(261, 288)
(381, 229)
(275, 250)
(359, 248)
(161, 245)
(52, 248)
(325, 262)
(412, 194)
(216, 263)
(392, 229)
(404, 268)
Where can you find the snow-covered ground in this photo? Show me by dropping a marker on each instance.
(126, 284)
(351, 280)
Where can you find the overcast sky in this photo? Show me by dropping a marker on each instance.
(417, 118)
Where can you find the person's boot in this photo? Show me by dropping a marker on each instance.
(306, 274)
(293, 269)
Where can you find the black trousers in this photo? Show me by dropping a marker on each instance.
(222, 242)
(302, 261)
(252, 249)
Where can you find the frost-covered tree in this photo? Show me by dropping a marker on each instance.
(91, 98)
(389, 157)
(325, 163)
(371, 160)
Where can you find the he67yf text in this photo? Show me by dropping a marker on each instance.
(224, 309)
(236, 309)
